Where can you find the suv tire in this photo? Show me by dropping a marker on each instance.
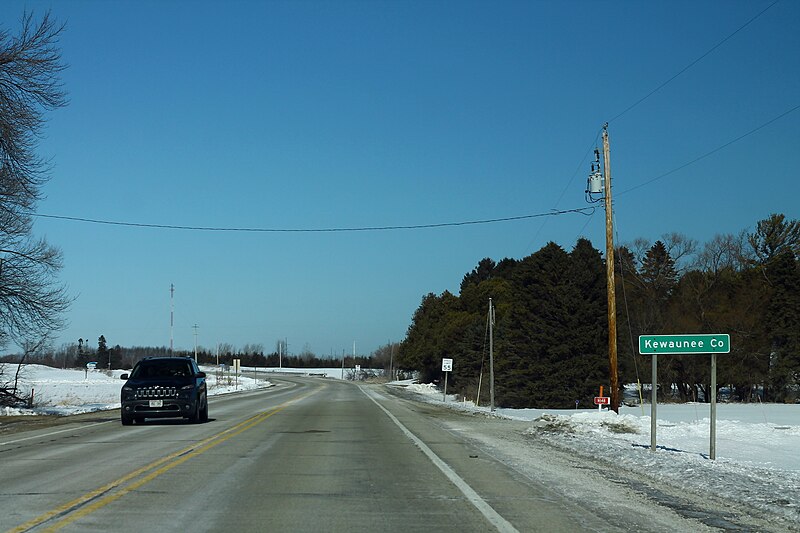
(195, 416)
(204, 412)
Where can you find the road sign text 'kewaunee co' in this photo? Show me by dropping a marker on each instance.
(684, 344)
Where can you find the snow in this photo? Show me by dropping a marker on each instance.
(757, 447)
(74, 391)
(69, 391)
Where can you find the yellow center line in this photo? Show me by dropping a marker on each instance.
(78, 507)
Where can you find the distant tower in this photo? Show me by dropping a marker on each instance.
(171, 314)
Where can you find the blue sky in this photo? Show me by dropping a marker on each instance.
(310, 115)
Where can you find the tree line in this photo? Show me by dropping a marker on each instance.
(551, 328)
(77, 355)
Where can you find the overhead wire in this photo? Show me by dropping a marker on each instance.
(564, 191)
(586, 211)
(661, 86)
(709, 153)
(693, 63)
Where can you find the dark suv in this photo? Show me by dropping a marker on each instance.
(163, 387)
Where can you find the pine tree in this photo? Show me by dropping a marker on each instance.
(783, 317)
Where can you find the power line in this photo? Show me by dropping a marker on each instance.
(693, 63)
(587, 211)
(711, 152)
(563, 192)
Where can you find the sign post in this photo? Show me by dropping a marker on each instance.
(601, 400)
(696, 344)
(447, 366)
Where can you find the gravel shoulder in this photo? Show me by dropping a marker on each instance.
(10, 425)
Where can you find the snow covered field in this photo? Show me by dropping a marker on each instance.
(757, 449)
(69, 392)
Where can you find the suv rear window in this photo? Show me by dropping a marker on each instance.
(162, 369)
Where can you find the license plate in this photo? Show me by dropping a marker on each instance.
(156, 403)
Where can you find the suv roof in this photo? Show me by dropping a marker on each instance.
(151, 357)
(164, 367)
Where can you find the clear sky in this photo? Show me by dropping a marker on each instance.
(319, 115)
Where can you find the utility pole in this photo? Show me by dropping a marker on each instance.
(171, 315)
(612, 300)
(391, 361)
(195, 342)
(491, 356)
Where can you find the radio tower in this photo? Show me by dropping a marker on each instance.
(171, 314)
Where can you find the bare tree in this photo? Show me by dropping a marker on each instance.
(11, 392)
(723, 252)
(680, 248)
(31, 302)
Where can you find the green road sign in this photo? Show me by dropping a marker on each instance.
(684, 344)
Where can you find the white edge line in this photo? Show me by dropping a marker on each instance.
(474, 498)
(79, 428)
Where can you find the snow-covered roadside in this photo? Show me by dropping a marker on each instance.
(757, 460)
(69, 391)
(74, 391)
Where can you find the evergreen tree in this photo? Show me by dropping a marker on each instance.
(588, 363)
(423, 347)
(783, 317)
(103, 360)
(528, 373)
(658, 272)
(480, 273)
(773, 236)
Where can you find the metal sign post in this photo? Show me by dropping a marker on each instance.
(653, 402)
(447, 366)
(685, 345)
(601, 400)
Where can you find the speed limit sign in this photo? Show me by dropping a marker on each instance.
(447, 365)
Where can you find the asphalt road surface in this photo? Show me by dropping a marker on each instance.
(308, 454)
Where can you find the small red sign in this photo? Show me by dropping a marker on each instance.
(602, 400)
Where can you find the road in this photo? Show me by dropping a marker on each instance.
(308, 455)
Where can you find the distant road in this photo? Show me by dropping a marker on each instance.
(309, 454)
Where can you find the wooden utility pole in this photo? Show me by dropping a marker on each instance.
(612, 300)
(491, 355)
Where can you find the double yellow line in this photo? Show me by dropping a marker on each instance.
(99, 498)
